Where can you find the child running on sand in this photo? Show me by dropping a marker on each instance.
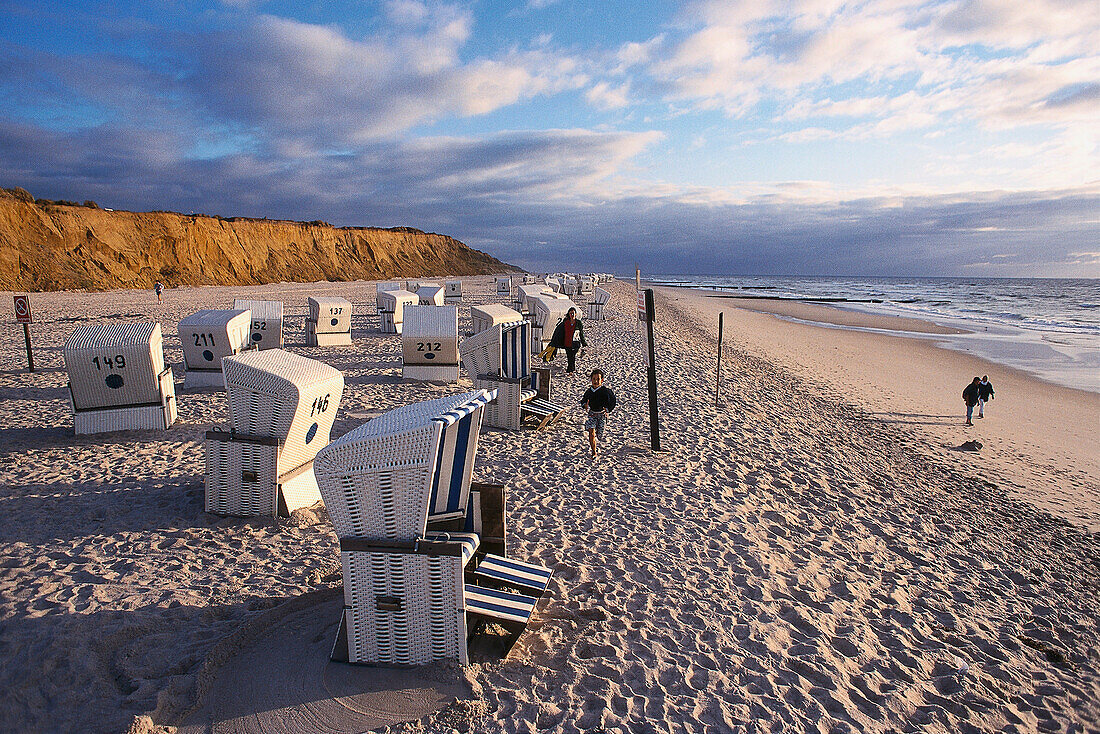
(600, 401)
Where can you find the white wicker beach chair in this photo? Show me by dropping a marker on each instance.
(598, 304)
(546, 312)
(504, 287)
(452, 292)
(499, 359)
(530, 279)
(406, 596)
(412, 286)
(281, 410)
(525, 293)
(207, 337)
(266, 330)
(329, 322)
(429, 343)
(382, 288)
(586, 284)
(491, 314)
(553, 284)
(117, 378)
(391, 309)
(430, 294)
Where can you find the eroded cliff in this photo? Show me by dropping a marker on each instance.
(48, 245)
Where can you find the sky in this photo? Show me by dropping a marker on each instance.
(813, 137)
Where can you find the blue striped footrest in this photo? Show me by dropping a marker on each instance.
(499, 605)
(528, 395)
(542, 407)
(514, 573)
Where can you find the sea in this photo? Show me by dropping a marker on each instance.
(1049, 327)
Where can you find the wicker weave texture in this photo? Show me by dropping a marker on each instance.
(481, 353)
(376, 479)
(114, 365)
(430, 337)
(490, 314)
(452, 291)
(395, 302)
(277, 394)
(330, 314)
(381, 288)
(504, 412)
(105, 420)
(525, 293)
(430, 294)
(266, 329)
(227, 493)
(211, 334)
(430, 625)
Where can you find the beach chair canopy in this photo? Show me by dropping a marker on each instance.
(266, 327)
(385, 478)
(115, 365)
(395, 301)
(330, 314)
(382, 288)
(491, 314)
(504, 286)
(599, 295)
(547, 311)
(284, 396)
(452, 290)
(430, 294)
(211, 334)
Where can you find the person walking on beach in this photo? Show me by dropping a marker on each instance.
(600, 401)
(569, 335)
(970, 397)
(158, 288)
(985, 394)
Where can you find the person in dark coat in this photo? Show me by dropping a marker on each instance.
(970, 397)
(985, 394)
(569, 335)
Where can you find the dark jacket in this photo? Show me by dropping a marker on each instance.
(599, 399)
(985, 390)
(970, 394)
(558, 338)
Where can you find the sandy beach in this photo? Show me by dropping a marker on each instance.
(811, 553)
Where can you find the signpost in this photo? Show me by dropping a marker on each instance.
(718, 378)
(23, 316)
(646, 314)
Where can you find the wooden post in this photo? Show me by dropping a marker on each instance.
(650, 317)
(27, 339)
(718, 379)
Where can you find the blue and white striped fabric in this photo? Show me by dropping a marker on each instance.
(515, 573)
(469, 542)
(515, 352)
(500, 605)
(454, 462)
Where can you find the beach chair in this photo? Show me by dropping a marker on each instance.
(391, 309)
(498, 359)
(452, 292)
(429, 343)
(381, 288)
(430, 294)
(412, 286)
(526, 292)
(597, 306)
(546, 312)
(504, 287)
(207, 337)
(413, 594)
(553, 284)
(117, 378)
(586, 284)
(491, 314)
(329, 322)
(266, 330)
(281, 410)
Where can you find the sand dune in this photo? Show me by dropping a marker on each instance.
(792, 561)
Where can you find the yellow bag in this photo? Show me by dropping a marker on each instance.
(548, 353)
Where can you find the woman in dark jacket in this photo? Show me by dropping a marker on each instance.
(569, 335)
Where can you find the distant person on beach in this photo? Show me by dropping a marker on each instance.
(158, 288)
(985, 394)
(600, 401)
(569, 335)
(970, 397)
